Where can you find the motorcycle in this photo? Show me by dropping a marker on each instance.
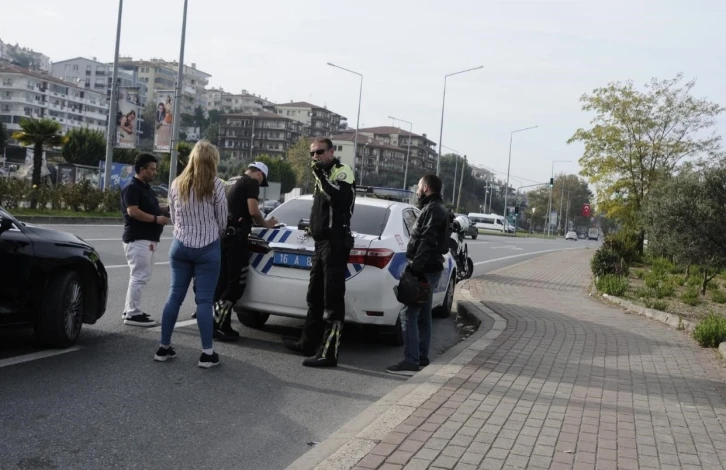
(459, 249)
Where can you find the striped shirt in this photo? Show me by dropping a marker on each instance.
(198, 223)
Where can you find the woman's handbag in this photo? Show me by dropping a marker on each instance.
(411, 290)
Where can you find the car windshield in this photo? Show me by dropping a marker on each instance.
(369, 220)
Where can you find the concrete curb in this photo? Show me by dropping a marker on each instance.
(722, 350)
(50, 220)
(670, 319)
(347, 446)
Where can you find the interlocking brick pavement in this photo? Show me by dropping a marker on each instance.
(569, 383)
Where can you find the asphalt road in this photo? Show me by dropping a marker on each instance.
(106, 404)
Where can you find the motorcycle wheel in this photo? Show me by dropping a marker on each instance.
(469, 268)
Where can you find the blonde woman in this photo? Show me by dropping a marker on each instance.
(198, 208)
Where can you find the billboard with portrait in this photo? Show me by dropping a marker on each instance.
(163, 122)
(127, 117)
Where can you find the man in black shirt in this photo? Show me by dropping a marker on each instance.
(243, 208)
(144, 222)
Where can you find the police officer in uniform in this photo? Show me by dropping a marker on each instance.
(333, 203)
(243, 208)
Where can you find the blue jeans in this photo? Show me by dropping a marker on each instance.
(416, 322)
(187, 263)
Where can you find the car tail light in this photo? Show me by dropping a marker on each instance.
(376, 257)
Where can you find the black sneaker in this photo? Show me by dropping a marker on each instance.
(141, 319)
(403, 368)
(320, 362)
(295, 346)
(225, 333)
(207, 361)
(162, 354)
(423, 362)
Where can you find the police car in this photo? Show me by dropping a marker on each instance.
(281, 258)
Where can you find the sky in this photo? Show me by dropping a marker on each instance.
(538, 59)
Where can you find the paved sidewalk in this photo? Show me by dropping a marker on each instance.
(561, 381)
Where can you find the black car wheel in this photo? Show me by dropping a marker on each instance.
(61, 314)
(252, 319)
(444, 310)
(474, 235)
(395, 338)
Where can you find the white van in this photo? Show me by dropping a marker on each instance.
(492, 222)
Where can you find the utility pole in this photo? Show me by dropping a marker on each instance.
(461, 183)
(567, 214)
(113, 106)
(177, 102)
(559, 213)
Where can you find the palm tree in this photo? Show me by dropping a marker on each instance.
(39, 133)
(84, 146)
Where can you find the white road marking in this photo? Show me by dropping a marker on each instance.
(118, 266)
(179, 324)
(521, 255)
(35, 356)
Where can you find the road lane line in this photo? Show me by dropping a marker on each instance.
(521, 255)
(35, 356)
(119, 266)
(179, 324)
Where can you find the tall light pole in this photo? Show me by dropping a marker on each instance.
(113, 106)
(357, 122)
(408, 152)
(177, 102)
(552, 188)
(456, 169)
(443, 104)
(509, 164)
(461, 183)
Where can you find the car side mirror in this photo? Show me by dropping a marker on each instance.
(5, 225)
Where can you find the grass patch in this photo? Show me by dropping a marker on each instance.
(612, 284)
(661, 267)
(639, 273)
(710, 331)
(694, 281)
(661, 305)
(718, 296)
(691, 297)
(678, 280)
(664, 290)
(62, 213)
(713, 286)
(652, 281)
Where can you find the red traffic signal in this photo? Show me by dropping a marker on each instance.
(586, 210)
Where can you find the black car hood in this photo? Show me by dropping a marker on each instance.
(56, 236)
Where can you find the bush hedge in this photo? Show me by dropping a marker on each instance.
(612, 284)
(79, 197)
(710, 331)
(625, 243)
(606, 261)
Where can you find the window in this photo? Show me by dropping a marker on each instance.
(369, 220)
(409, 220)
(75, 67)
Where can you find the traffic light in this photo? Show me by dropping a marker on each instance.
(552, 182)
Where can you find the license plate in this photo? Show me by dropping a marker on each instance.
(293, 260)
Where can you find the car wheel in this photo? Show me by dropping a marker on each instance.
(474, 235)
(61, 314)
(444, 310)
(252, 319)
(395, 338)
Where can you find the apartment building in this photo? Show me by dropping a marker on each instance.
(481, 172)
(251, 134)
(372, 155)
(24, 57)
(317, 121)
(97, 76)
(160, 75)
(26, 93)
(423, 153)
(227, 103)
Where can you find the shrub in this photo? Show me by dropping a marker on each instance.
(606, 261)
(639, 273)
(718, 296)
(112, 200)
(661, 305)
(694, 280)
(678, 280)
(644, 293)
(12, 192)
(691, 297)
(664, 290)
(713, 285)
(625, 243)
(651, 280)
(678, 269)
(612, 284)
(73, 197)
(661, 267)
(710, 331)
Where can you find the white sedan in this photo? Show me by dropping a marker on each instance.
(281, 258)
(571, 235)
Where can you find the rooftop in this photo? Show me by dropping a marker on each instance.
(363, 140)
(258, 114)
(390, 130)
(8, 68)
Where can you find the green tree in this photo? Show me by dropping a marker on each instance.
(84, 146)
(212, 133)
(200, 120)
(298, 156)
(685, 221)
(39, 134)
(280, 172)
(566, 187)
(127, 156)
(637, 136)
(3, 138)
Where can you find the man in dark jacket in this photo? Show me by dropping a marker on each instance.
(425, 254)
(333, 202)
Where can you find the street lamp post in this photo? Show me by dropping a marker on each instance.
(443, 104)
(408, 152)
(357, 122)
(113, 106)
(456, 169)
(177, 102)
(506, 189)
(549, 207)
